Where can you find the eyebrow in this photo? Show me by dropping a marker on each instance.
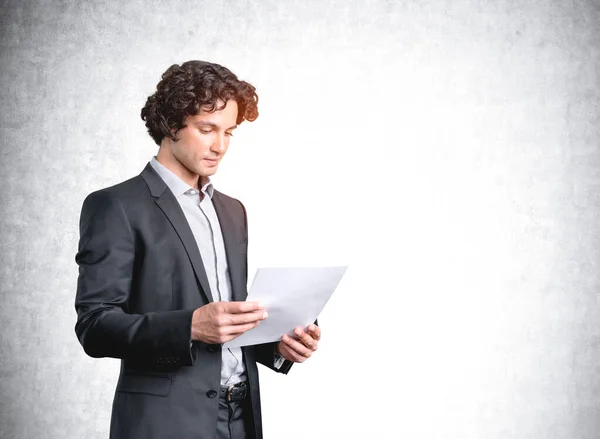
(212, 125)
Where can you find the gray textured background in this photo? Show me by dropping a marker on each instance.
(449, 151)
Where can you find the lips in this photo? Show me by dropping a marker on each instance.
(212, 161)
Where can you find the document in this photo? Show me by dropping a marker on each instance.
(292, 296)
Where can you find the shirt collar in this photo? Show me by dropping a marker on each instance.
(176, 184)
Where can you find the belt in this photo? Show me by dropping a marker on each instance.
(235, 392)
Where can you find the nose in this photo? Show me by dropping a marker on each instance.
(220, 145)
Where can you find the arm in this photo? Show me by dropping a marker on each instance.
(106, 259)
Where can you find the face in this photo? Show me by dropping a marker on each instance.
(201, 144)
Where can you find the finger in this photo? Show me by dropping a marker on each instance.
(293, 353)
(240, 319)
(315, 331)
(290, 354)
(236, 331)
(306, 339)
(297, 347)
(242, 307)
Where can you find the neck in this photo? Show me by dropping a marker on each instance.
(165, 158)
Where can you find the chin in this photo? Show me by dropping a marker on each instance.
(207, 172)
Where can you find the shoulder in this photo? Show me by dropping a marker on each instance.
(121, 197)
(128, 190)
(233, 205)
(227, 201)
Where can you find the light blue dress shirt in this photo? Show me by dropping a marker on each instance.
(202, 219)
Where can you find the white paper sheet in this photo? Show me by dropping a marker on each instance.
(292, 296)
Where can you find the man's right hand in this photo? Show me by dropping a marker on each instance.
(220, 322)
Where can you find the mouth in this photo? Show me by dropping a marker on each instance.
(212, 162)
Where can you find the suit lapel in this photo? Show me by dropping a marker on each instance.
(172, 210)
(234, 260)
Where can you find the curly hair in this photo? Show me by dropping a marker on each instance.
(190, 87)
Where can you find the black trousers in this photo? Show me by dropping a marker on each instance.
(235, 419)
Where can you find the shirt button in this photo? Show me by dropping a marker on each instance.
(212, 393)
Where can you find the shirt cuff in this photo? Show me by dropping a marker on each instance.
(278, 361)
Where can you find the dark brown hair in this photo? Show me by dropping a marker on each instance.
(190, 87)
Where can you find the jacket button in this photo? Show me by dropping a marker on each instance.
(212, 393)
(212, 348)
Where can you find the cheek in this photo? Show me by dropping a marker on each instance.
(201, 142)
(195, 144)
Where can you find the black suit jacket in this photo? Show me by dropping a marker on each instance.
(140, 279)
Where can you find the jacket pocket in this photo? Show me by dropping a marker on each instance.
(148, 384)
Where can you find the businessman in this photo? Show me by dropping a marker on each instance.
(163, 270)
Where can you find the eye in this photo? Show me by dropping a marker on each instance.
(205, 131)
(229, 134)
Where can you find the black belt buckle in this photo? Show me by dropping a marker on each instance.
(236, 392)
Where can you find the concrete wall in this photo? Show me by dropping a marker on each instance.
(448, 151)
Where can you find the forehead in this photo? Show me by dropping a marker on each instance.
(227, 113)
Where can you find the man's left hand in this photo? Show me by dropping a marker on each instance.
(302, 346)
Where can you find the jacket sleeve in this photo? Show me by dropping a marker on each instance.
(106, 259)
(265, 355)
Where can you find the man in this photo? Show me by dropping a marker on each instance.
(163, 272)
